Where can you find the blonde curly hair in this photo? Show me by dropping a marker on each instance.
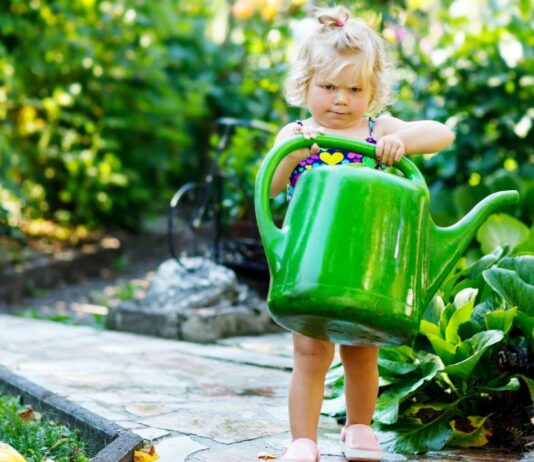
(338, 41)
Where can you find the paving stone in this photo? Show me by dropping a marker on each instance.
(279, 344)
(129, 425)
(104, 412)
(114, 398)
(150, 434)
(10, 358)
(177, 449)
(146, 409)
(68, 366)
(222, 427)
(231, 396)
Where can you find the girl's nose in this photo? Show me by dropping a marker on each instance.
(340, 97)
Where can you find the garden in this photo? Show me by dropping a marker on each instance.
(107, 107)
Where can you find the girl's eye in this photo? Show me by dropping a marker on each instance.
(329, 87)
(355, 89)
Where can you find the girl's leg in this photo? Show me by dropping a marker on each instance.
(311, 360)
(361, 382)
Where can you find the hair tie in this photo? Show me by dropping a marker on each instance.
(340, 22)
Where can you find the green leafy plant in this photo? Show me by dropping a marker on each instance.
(36, 438)
(471, 365)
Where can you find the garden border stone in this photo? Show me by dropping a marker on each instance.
(114, 443)
(46, 271)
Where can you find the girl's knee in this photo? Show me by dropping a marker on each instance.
(359, 355)
(312, 355)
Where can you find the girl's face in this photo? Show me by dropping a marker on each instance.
(340, 102)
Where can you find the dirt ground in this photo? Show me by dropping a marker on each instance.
(88, 300)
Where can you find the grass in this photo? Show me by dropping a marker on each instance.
(38, 439)
(32, 313)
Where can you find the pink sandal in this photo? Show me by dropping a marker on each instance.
(301, 450)
(360, 443)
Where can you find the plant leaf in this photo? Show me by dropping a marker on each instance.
(501, 229)
(500, 319)
(445, 318)
(513, 279)
(387, 406)
(530, 385)
(445, 350)
(464, 303)
(468, 329)
(396, 367)
(469, 432)
(433, 310)
(334, 407)
(526, 324)
(511, 385)
(427, 328)
(471, 353)
(409, 435)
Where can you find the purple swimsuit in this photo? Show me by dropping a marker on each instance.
(331, 157)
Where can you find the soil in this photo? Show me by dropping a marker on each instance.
(87, 300)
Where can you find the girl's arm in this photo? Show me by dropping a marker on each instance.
(288, 164)
(396, 137)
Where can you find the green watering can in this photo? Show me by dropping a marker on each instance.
(358, 257)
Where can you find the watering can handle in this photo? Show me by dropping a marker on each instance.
(271, 235)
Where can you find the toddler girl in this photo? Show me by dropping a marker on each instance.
(342, 75)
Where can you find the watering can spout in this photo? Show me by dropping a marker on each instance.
(447, 245)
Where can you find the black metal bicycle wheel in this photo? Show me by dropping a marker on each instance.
(192, 225)
(239, 247)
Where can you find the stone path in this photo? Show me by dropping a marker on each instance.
(224, 402)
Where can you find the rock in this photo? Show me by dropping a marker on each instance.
(176, 288)
(201, 305)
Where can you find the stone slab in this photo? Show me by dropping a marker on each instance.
(228, 398)
(177, 449)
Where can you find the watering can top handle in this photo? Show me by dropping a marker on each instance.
(277, 153)
(270, 233)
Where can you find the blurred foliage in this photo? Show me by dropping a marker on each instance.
(107, 107)
(239, 164)
(94, 124)
(471, 66)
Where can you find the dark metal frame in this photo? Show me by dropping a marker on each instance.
(212, 196)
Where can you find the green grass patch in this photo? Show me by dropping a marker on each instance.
(36, 438)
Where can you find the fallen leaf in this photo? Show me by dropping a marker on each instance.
(146, 454)
(29, 414)
(9, 453)
(265, 456)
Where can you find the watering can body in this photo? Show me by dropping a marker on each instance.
(352, 263)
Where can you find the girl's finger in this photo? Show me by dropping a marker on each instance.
(314, 149)
(385, 155)
(388, 149)
(399, 154)
(379, 150)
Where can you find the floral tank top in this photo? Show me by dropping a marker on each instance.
(330, 157)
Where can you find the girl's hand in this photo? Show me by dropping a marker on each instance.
(308, 133)
(390, 149)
